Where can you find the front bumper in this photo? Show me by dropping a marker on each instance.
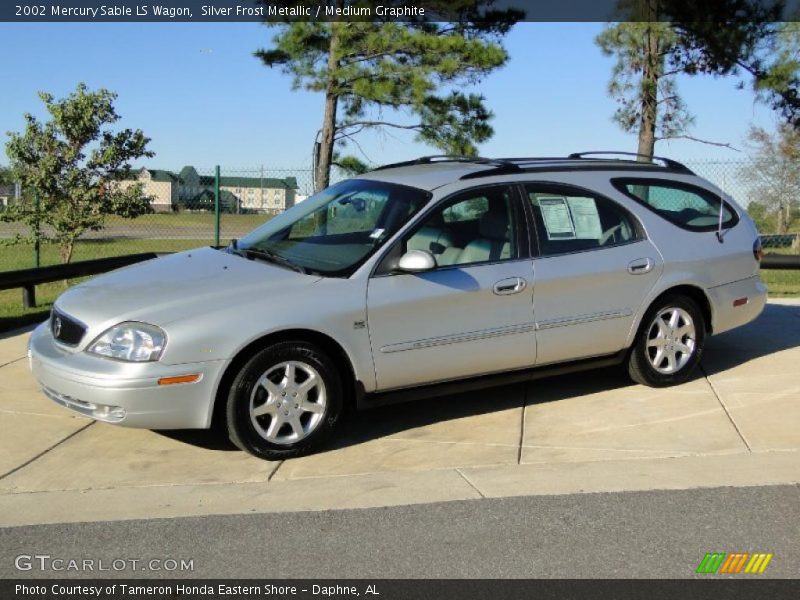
(123, 393)
(726, 313)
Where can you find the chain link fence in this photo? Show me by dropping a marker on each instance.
(184, 201)
(735, 178)
(184, 214)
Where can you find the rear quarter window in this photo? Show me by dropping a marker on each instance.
(687, 206)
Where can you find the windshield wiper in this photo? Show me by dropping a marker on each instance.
(273, 257)
(233, 248)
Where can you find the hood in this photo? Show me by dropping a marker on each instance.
(163, 289)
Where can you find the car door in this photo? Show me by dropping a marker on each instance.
(473, 313)
(594, 269)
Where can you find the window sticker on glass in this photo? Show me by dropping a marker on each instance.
(376, 234)
(585, 217)
(557, 218)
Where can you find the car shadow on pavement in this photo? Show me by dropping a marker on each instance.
(769, 334)
(210, 439)
(775, 330)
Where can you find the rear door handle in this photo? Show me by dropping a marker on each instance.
(640, 266)
(512, 285)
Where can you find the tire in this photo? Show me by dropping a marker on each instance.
(274, 418)
(682, 346)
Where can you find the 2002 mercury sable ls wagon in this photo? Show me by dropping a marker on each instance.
(414, 280)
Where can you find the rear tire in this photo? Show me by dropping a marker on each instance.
(669, 344)
(284, 401)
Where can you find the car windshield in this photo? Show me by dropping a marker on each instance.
(336, 230)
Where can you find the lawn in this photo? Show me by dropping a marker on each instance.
(20, 256)
(12, 314)
(160, 232)
(196, 228)
(781, 283)
(192, 220)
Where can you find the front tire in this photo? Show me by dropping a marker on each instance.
(669, 344)
(284, 401)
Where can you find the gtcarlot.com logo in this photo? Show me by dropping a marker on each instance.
(734, 563)
(45, 562)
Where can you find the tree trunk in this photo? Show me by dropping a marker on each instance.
(783, 225)
(65, 251)
(649, 99)
(322, 176)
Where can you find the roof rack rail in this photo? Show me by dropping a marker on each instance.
(524, 159)
(668, 162)
(425, 160)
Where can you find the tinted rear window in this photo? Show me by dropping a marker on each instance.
(685, 205)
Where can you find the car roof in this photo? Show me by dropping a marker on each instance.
(431, 172)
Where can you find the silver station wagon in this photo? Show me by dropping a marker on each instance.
(417, 280)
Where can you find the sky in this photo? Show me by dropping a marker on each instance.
(199, 93)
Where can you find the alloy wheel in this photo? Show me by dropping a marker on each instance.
(671, 340)
(288, 402)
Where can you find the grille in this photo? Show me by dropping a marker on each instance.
(66, 329)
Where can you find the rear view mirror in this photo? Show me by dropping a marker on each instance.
(416, 261)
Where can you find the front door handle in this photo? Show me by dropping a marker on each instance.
(640, 266)
(512, 285)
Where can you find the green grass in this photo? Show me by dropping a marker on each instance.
(13, 315)
(197, 226)
(187, 220)
(781, 283)
(20, 256)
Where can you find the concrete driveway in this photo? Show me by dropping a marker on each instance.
(735, 424)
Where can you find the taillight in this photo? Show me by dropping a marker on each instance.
(758, 251)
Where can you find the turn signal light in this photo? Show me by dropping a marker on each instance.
(193, 378)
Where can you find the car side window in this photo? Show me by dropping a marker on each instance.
(575, 221)
(478, 226)
(684, 205)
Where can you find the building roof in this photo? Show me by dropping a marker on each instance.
(187, 172)
(256, 182)
(160, 175)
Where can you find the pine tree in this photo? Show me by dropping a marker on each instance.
(392, 74)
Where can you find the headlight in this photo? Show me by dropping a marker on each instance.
(135, 342)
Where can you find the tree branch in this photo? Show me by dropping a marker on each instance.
(694, 139)
(380, 124)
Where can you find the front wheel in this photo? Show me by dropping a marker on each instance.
(284, 401)
(669, 344)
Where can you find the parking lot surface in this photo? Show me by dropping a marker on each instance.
(734, 424)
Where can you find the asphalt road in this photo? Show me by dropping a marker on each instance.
(639, 534)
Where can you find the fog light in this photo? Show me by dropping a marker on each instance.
(108, 413)
(101, 412)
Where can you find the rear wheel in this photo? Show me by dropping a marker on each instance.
(669, 344)
(284, 401)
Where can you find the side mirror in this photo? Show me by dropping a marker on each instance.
(416, 261)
